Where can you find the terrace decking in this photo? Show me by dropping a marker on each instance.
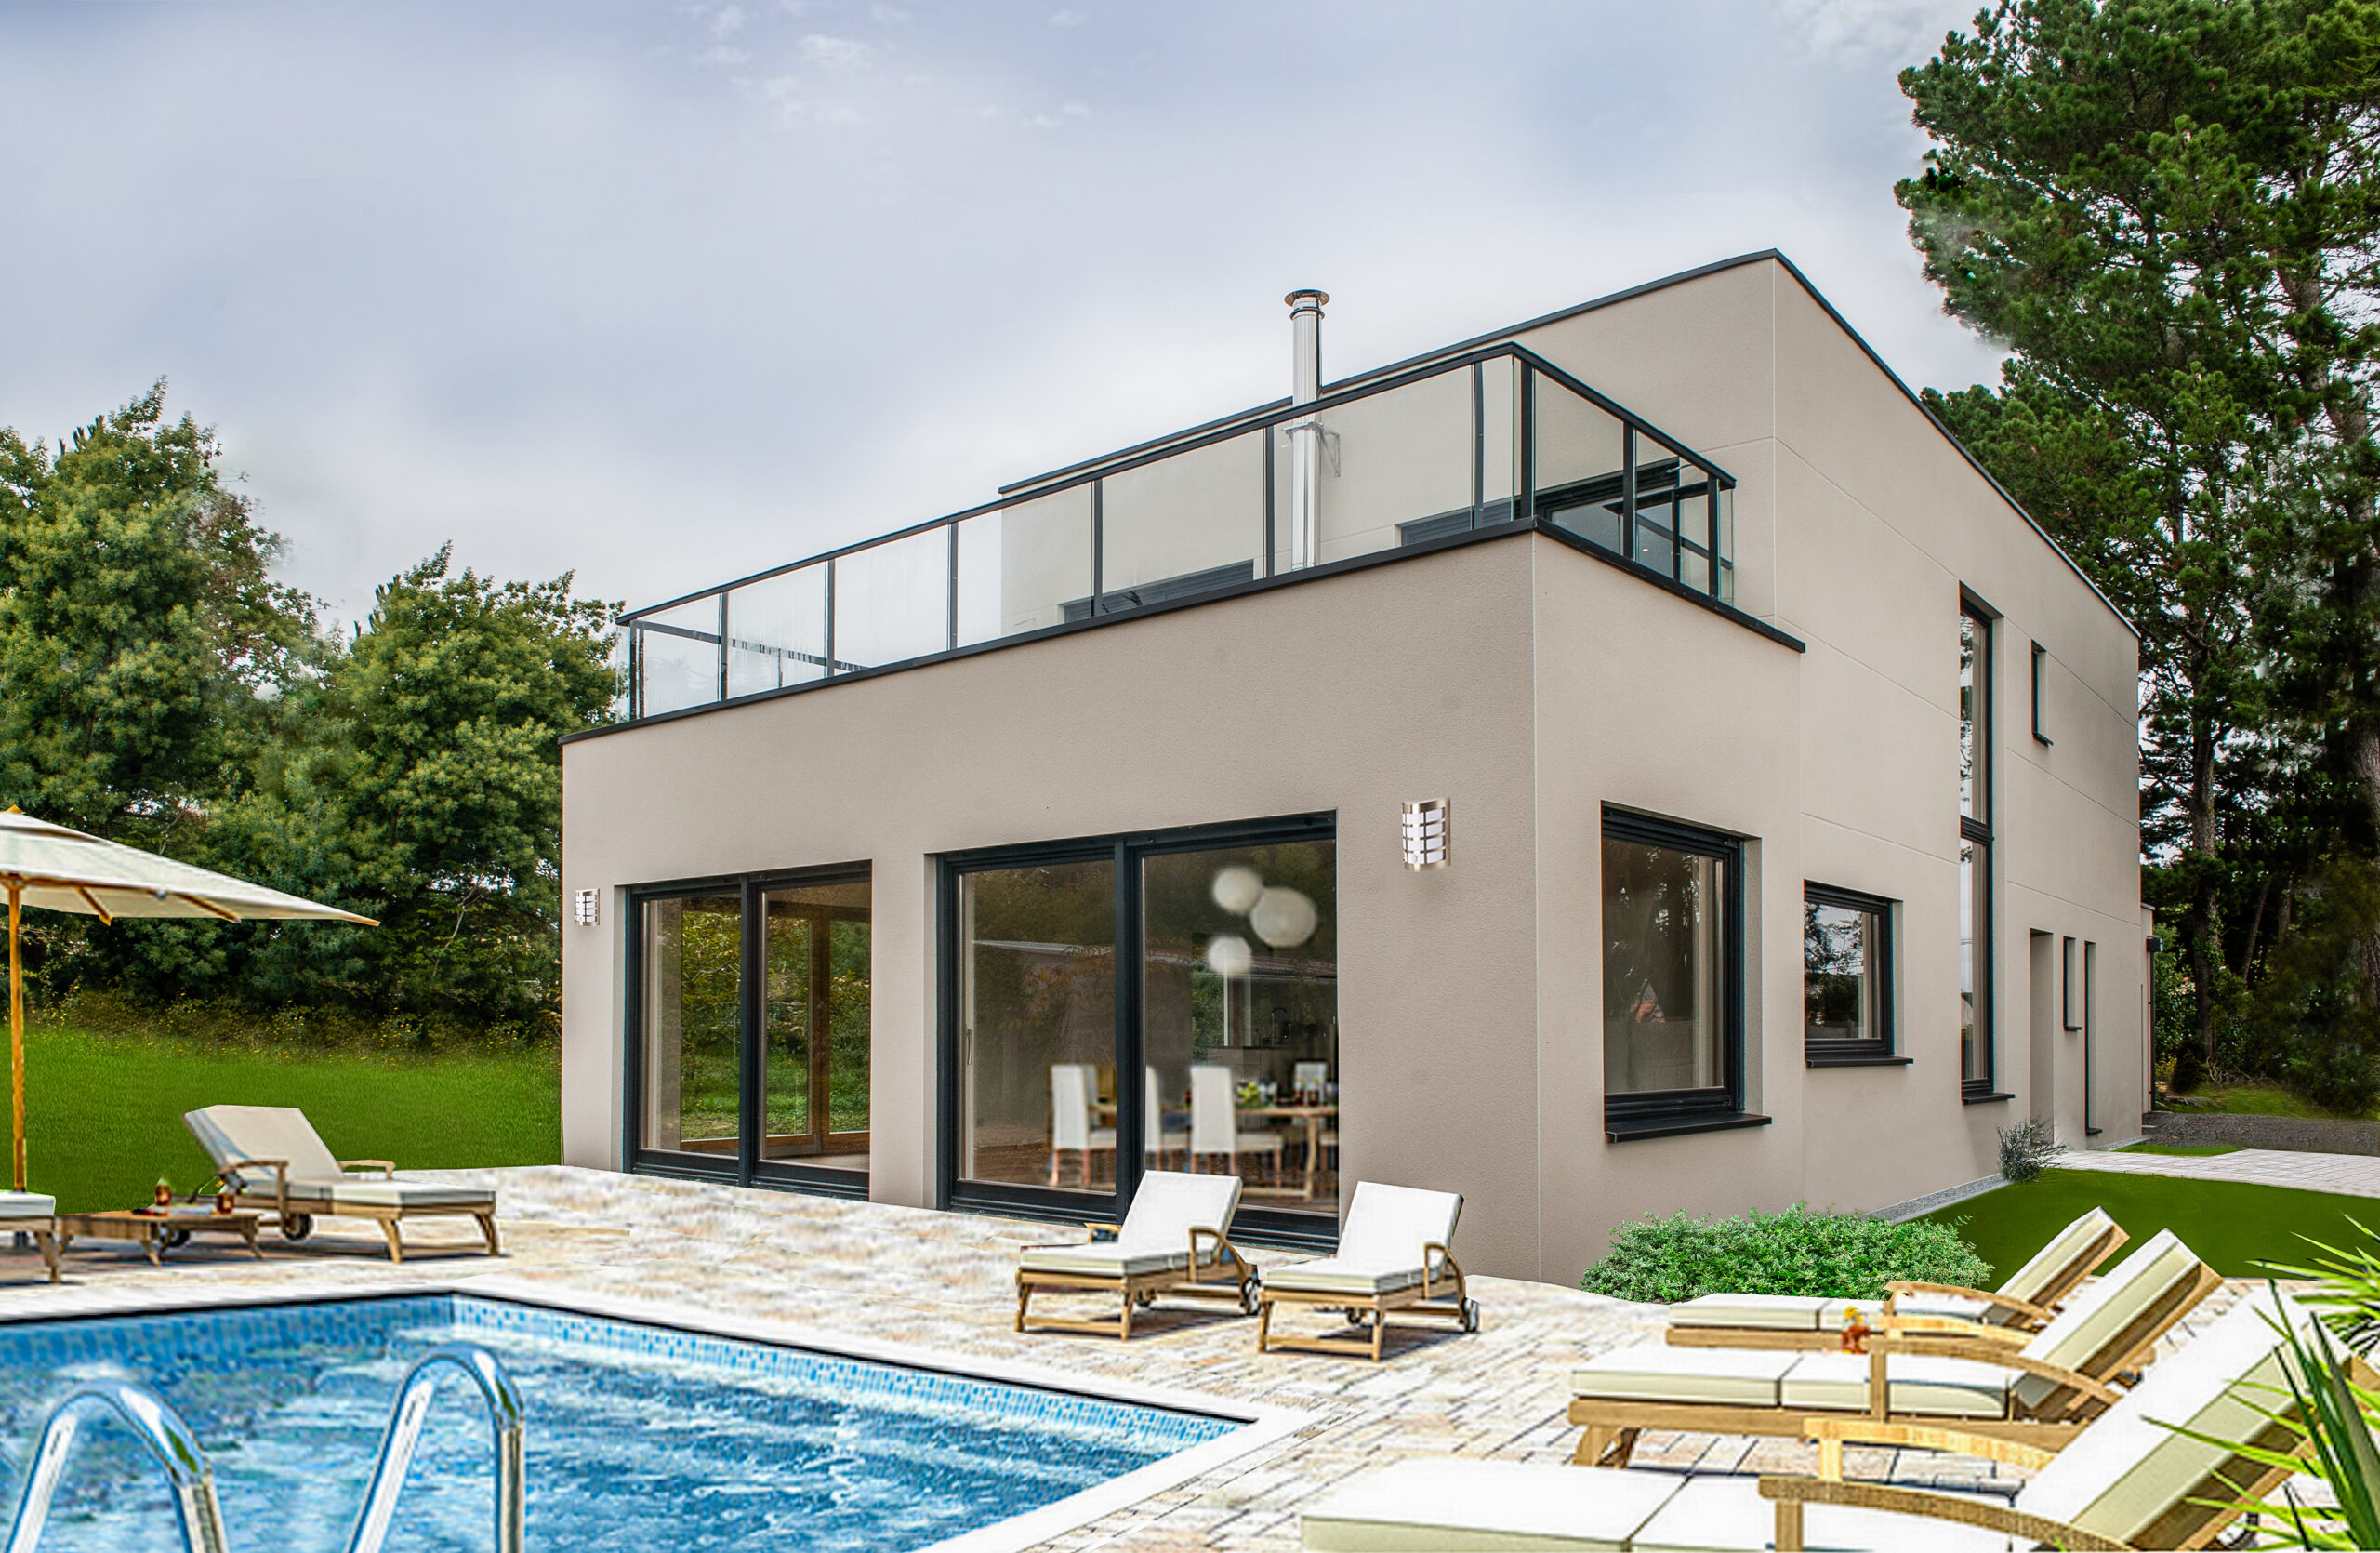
(943, 1282)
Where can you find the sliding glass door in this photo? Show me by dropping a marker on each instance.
(749, 1057)
(1211, 1043)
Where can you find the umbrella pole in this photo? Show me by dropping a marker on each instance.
(16, 1035)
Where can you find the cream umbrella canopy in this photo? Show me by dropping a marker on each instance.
(59, 870)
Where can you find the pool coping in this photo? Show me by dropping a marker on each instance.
(1260, 1425)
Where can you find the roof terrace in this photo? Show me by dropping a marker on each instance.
(1491, 441)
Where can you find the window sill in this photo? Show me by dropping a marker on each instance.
(1984, 1099)
(1629, 1129)
(1816, 1057)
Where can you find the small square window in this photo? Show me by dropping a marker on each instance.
(1846, 975)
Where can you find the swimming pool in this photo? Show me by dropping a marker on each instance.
(640, 1437)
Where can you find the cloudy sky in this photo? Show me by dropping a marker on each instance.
(664, 293)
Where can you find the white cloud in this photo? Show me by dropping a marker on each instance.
(1068, 19)
(1900, 32)
(834, 53)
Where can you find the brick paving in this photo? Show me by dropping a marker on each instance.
(942, 1281)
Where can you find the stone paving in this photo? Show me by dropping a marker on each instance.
(2351, 1174)
(942, 1281)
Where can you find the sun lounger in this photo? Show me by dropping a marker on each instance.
(1176, 1239)
(24, 1213)
(2038, 1390)
(2026, 1302)
(275, 1162)
(1392, 1256)
(2127, 1480)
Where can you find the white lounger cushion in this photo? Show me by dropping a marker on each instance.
(1738, 1377)
(2096, 1317)
(1771, 1312)
(1452, 1504)
(1336, 1275)
(1155, 1236)
(1103, 1259)
(2028, 1281)
(229, 1132)
(1919, 1383)
(1448, 1503)
(1953, 1307)
(409, 1195)
(26, 1205)
(2128, 1469)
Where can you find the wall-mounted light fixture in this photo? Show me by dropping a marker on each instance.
(1425, 833)
(583, 910)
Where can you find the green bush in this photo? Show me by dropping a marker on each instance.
(1797, 1252)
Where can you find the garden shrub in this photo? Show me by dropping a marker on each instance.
(2026, 1148)
(1797, 1252)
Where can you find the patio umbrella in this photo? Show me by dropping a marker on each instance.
(60, 869)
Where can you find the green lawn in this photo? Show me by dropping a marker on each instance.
(2231, 1224)
(2183, 1151)
(104, 1114)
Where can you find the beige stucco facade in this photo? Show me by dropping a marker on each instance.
(1533, 684)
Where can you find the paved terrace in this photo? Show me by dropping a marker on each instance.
(941, 1281)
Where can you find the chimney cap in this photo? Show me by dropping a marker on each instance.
(1317, 298)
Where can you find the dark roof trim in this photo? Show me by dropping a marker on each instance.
(1683, 276)
(1195, 601)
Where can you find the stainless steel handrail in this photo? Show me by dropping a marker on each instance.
(508, 1436)
(159, 1427)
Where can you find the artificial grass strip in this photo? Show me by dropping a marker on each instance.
(2233, 1225)
(2181, 1151)
(103, 1116)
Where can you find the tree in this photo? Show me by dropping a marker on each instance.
(141, 636)
(2167, 209)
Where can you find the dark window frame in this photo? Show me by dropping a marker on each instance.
(1664, 1113)
(2039, 738)
(1884, 1048)
(744, 1168)
(1255, 1224)
(1978, 830)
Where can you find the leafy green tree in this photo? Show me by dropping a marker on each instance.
(141, 636)
(2168, 210)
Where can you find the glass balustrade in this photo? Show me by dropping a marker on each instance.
(1498, 438)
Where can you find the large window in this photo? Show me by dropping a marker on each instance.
(1846, 977)
(749, 1055)
(1673, 977)
(1211, 1043)
(1975, 854)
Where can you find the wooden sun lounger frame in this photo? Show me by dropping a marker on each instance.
(45, 1233)
(1136, 1289)
(2029, 1316)
(1612, 1424)
(1426, 1300)
(298, 1222)
(2196, 1520)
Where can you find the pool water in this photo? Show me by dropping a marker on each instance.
(638, 1437)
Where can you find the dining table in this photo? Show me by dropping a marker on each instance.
(1313, 1114)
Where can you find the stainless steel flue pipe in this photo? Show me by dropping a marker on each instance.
(1305, 436)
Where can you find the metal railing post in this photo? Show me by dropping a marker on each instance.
(507, 1432)
(159, 1427)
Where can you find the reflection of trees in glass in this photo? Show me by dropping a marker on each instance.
(1289, 1001)
(848, 1028)
(1040, 990)
(787, 1021)
(1833, 967)
(709, 939)
(1652, 904)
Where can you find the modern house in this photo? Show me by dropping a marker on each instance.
(1631, 761)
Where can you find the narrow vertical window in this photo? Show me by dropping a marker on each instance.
(2090, 1038)
(1975, 854)
(1846, 976)
(2040, 653)
(2069, 979)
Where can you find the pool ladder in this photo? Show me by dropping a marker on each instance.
(200, 1513)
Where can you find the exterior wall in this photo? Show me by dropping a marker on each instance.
(1533, 684)
(1347, 695)
(1857, 525)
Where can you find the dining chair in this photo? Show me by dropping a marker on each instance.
(1160, 1142)
(1214, 1121)
(1072, 1086)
